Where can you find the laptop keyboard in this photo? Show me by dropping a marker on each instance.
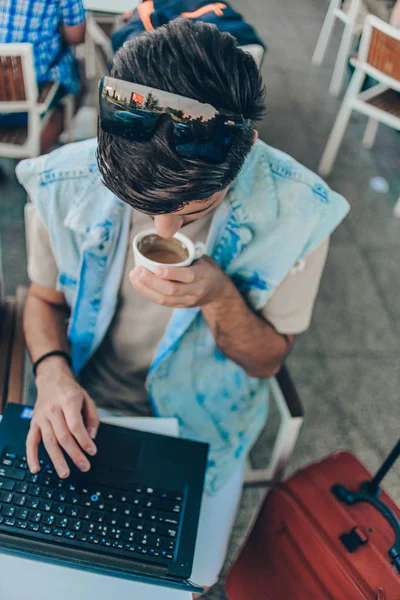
(143, 521)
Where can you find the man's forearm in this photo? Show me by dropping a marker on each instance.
(74, 34)
(45, 328)
(244, 337)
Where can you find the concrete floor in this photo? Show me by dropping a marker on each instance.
(346, 368)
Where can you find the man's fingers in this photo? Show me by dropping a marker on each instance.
(76, 426)
(32, 443)
(90, 416)
(182, 274)
(158, 298)
(65, 439)
(147, 292)
(164, 286)
(53, 449)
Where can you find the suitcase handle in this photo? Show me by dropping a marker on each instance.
(344, 494)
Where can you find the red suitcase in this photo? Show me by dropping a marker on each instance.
(327, 533)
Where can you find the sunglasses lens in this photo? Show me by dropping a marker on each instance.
(129, 124)
(123, 119)
(210, 143)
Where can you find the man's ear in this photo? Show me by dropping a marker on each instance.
(255, 137)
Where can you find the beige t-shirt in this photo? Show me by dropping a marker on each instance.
(116, 373)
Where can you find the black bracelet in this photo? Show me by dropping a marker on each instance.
(52, 353)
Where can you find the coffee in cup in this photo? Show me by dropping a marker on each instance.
(160, 250)
(151, 251)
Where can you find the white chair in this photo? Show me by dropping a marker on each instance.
(351, 28)
(19, 93)
(98, 48)
(379, 57)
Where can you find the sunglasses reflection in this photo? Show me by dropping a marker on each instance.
(134, 113)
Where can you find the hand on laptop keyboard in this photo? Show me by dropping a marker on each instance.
(64, 417)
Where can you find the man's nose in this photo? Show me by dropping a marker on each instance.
(167, 225)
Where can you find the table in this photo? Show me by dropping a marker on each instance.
(111, 6)
(23, 579)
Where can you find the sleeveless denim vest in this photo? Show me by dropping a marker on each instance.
(275, 213)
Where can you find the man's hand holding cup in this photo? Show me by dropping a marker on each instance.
(193, 279)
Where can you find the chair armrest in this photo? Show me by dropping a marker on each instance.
(290, 408)
(7, 326)
(18, 352)
(376, 74)
(46, 95)
(256, 51)
(289, 393)
(98, 36)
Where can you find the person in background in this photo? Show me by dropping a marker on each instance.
(151, 14)
(51, 26)
(387, 10)
(395, 16)
(196, 343)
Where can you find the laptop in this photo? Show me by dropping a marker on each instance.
(133, 515)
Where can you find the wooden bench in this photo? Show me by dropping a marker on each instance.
(13, 361)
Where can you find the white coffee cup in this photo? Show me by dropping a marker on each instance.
(194, 251)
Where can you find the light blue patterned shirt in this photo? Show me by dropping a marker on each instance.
(275, 213)
(39, 22)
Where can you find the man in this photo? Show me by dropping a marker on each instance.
(265, 218)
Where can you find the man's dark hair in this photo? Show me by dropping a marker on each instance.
(198, 61)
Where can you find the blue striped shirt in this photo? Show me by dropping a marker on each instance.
(39, 22)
